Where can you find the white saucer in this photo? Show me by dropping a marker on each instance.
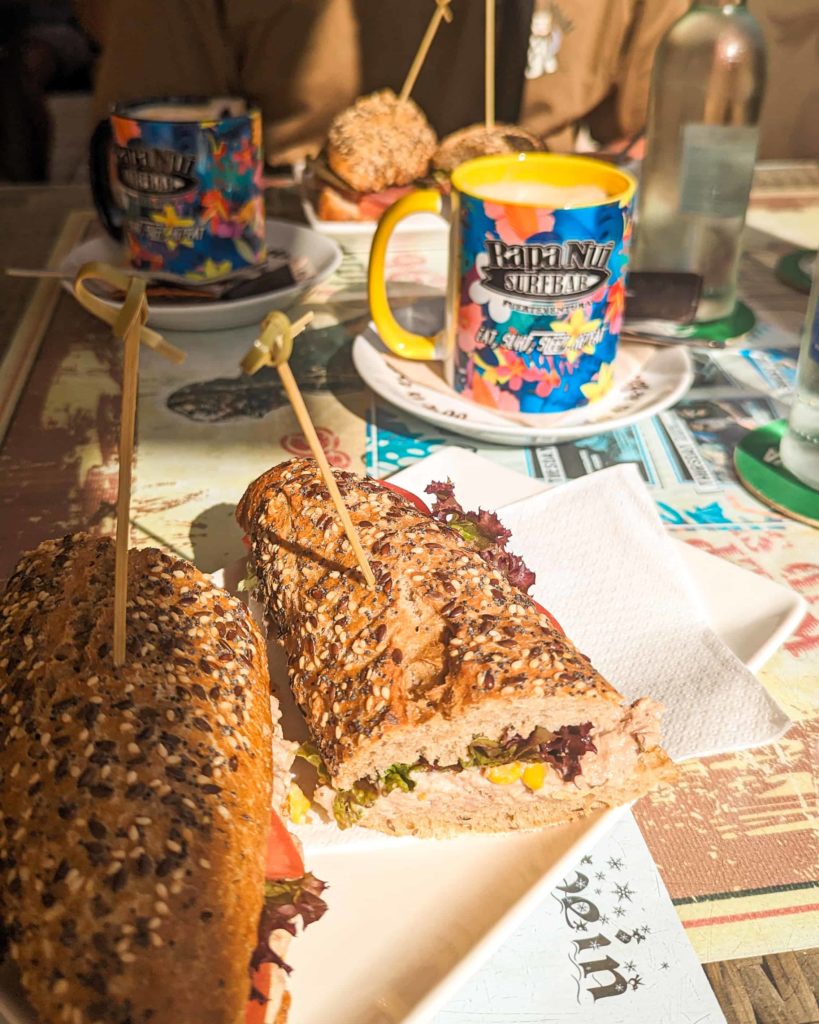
(321, 252)
(646, 381)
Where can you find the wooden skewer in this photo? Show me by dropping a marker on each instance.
(275, 351)
(489, 70)
(441, 13)
(128, 325)
(55, 275)
(105, 311)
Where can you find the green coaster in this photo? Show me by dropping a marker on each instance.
(739, 322)
(795, 269)
(760, 470)
(712, 333)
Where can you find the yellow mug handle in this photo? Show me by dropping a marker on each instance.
(399, 340)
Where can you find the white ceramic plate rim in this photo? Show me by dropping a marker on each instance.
(331, 263)
(785, 609)
(370, 366)
(419, 223)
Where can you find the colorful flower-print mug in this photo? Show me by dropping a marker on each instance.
(537, 271)
(187, 192)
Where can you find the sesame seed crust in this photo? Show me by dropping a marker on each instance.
(118, 784)
(442, 631)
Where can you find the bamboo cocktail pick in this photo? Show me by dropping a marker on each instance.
(441, 13)
(128, 323)
(273, 347)
(127, 326)
(489, 69)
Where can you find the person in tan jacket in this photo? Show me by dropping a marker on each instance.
(296, 59)
(560, 63)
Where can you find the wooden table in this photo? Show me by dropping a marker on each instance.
(57, 473)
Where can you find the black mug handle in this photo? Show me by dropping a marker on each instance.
(98, 166)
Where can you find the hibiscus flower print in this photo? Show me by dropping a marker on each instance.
(470, 319)
(499, 309)
(124, 130)
(516, 224)
(484, 392)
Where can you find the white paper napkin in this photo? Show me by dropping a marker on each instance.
(612, 576)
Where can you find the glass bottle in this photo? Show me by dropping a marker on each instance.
(799, 447)
(701, 143)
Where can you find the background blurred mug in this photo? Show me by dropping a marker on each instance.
(189, 175)
(536, 288)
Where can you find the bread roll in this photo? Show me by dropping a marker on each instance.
(136, 801)
(443, 660)
(478, 140)
(380, 141)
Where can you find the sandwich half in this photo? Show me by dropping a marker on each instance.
(445, 700)
(137, 801)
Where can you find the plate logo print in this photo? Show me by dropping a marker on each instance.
(602, 969)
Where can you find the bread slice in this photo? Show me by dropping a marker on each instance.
(442, 661)
(136, 801)
(478, 140)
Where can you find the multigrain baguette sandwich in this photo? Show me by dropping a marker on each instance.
(136, 824)
(445, 700)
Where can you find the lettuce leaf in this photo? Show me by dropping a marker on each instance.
(483, 531)
(249, 583)
(562, 749)
(349, 804)
(309, 752)
(397, 776)
(286, 903)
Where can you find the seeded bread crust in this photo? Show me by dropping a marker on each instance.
(135, 801)
(478, 140)
(442, 650)
(380, 141)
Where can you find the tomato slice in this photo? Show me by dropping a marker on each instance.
(549, 616)
(283, 858)
(255, 1013)
(413, 498)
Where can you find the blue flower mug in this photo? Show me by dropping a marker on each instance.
(538, 254)
(187, 196)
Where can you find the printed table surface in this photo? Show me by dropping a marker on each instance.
(737, 842)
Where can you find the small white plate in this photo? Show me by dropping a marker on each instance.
(646, 381)
(322, 253)
(420, 231)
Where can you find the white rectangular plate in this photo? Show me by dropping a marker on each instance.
(411, 920)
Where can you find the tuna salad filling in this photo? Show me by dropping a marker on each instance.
(543, 751)
(544, 764)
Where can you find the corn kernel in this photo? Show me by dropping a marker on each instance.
(534, 776)
(504, 774)
(298, 806)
